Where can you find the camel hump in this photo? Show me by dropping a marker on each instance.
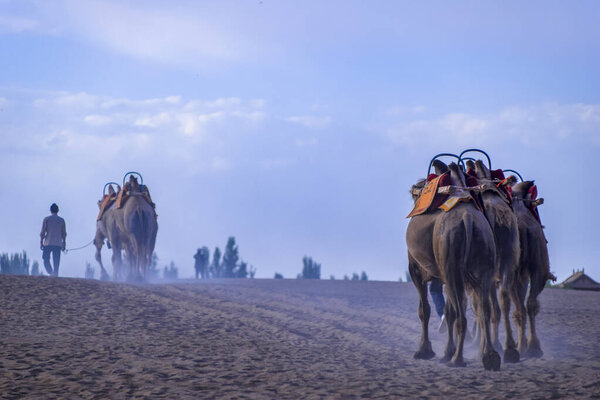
(133, 188)
(107, 201)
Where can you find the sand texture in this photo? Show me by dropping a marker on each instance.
(266, 339)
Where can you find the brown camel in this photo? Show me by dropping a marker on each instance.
(132, 228)
(534, 265)
(503, 222)
(457, 247)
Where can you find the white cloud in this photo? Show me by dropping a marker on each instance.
(528, 126)
(153, 121)
(100, 128)
(307, 142)
(154, 32)
(96, 119)
(310, 121)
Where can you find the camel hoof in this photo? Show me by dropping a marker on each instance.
(511, 356)
(534, 352)
(445, 360)
(424, 354)
(457, 363)
(491, 361)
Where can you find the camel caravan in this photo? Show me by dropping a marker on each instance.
(127, 220)
(479, 233)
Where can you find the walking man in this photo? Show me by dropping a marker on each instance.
(53, 239)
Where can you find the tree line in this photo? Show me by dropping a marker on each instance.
(226, 265)
(18, 264)
(312, 270)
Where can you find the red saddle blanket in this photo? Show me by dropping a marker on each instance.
(430, 199)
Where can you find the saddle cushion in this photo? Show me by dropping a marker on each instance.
(430, 199)
(497, 174)
(106, 202)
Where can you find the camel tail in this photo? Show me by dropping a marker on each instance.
(468, 224)
(140, 229)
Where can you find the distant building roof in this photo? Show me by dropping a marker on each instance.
(580, 281)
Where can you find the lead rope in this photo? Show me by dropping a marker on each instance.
(79, 248)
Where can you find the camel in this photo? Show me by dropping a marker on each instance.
(132, 228)
(457, 247)
(534, 266)
(107, 228)
(506, 235)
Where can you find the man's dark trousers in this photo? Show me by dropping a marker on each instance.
(55, 250)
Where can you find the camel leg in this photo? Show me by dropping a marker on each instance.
(460, 323)
(517, 293)
(450, 316)
(511, 355)
(99, 242)
(425, 351)
(117, 262)
(533, 307)
(495, 318)
(490, 357)
(476, 326)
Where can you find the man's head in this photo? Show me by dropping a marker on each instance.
(54, 208)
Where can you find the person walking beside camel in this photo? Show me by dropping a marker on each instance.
(53, 239)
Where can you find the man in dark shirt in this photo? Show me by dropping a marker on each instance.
(53, 239)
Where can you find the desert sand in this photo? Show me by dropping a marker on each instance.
(235, 339)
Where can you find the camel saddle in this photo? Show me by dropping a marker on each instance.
(439, 193)
(497, 184)
(125, 193)
(108, 200)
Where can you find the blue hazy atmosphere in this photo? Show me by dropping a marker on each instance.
(297, 127)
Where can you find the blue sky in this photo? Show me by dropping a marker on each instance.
(297, 127)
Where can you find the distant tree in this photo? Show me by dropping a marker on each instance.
(346, 278)
(400, 279)
(15, 264)
(242, 270)
(363, 276)
(278, 276)
(230, 258)
(35, 269)
(310, 269)
(89, 271)
(331, 277)
(355, 276)
(170, 272)
(202, 258)
(216, 264)
(408, 278)
(252, 271)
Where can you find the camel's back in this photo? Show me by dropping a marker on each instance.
(464, 236)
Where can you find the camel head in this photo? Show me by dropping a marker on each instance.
(457, 175)
(482, 170)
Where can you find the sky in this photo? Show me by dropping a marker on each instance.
(296, 127)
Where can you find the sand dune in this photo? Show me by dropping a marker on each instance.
(272, 339)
